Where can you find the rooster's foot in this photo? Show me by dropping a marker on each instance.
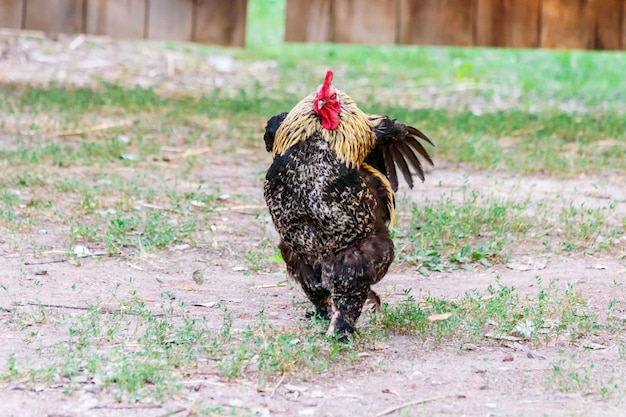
(340, 327)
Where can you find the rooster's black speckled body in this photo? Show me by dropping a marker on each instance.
(323, 209)
(331, 201)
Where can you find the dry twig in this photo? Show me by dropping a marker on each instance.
(190, 152)
(277, 385)
(76, 132)
(410, 403)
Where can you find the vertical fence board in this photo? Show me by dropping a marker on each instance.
(623, 43)
(11, 13)
(507, 23)
(566, 24)
(606, 19)
(54, 15)
(365, 21)
(308, 21)
(119, 18)
(437, 22)
(220, 22)
(170, 19)
(563, 26)
(580, 24)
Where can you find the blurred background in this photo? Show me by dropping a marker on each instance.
(466, 95)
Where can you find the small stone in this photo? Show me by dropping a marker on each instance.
(129, 157)
(81, 251)
(508, 358)
(525, 329)
(235, 403)
(587, 344)
(222, 63)
(317, 394)
(294, 388)
(208, 305)
(198, 276)
(81, 379)
(534, 355)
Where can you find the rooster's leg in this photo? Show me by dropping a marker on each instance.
(309, 278)
(349, 275)
(374, 299)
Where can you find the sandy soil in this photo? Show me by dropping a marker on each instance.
(495, 378)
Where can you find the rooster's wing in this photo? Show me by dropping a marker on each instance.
(397, 144)
(270, 130)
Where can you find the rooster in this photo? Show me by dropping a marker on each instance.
(330, 193)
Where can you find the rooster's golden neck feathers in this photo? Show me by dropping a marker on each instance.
(352, 140)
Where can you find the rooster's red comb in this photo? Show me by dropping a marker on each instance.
(329, 78)
(325, 90)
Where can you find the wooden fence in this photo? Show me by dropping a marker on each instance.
(563, 24)
(207, 21)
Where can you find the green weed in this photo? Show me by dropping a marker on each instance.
(152, 230)
(456, 231)
(500, 312)
(549, 142)
(568, 376)
(450, 233)
(136, 352)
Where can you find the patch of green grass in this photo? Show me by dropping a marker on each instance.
(7, 210)
(86, 100)
(152, 230)
(459, 232)
(13, 212)
(547, 142)
(69, 184)
(138, 353)
(500, 313)
(580, 223)
(134, 350)
(83, 232)
(530, 78)
(456, 231)
(568, 376)
(137, 232)
(264, 258)
(272, 351)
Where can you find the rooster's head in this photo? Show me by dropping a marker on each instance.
(326, 103)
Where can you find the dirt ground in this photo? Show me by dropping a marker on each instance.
(495, 378)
